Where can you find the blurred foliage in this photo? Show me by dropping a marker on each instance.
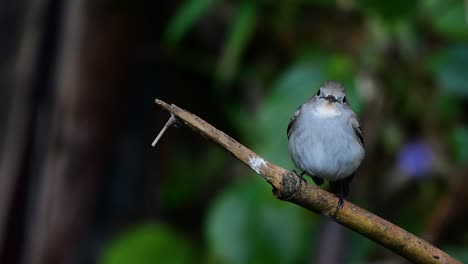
(460, 144)
(149, 243)
(459, 253)
(274, 55)
(239, 36)
(193, 175)
(184, 19)
(246, 226)
(450, 69)
(449, 19)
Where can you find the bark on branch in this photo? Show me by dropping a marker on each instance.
(288, 187)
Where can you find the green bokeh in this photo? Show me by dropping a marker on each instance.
(245, 225)
(149, 243)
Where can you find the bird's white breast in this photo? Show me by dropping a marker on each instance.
(326, 109)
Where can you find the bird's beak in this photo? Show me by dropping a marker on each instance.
(331, 99)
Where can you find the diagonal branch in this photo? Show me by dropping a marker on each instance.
(287, 186)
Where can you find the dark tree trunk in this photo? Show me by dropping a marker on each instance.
(94, 67)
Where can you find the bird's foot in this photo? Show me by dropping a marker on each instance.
(339, 206)
(301, 176)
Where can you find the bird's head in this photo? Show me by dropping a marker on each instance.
(333, 92)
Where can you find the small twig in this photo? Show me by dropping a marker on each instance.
(286, 186)
(169, 122)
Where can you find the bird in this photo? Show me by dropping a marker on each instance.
(325, 139)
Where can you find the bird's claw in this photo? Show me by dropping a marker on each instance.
(339, 206)
(301, 176)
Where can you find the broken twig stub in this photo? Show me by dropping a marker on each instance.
(169, 122)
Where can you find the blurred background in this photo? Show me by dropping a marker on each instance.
(80, 183)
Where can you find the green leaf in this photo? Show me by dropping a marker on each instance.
(149, 243)
(390, 10)
(391, 136)
(451, 21)
(449, 106)
(460, 144)
(184, 18)
(241, 30)
(190, 175)
(340, 66)
(360, 248)
(459, 253)
(247, 225)
(450, 68)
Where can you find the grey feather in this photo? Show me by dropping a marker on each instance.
(357, 129)
(292, 121)
(325, 139)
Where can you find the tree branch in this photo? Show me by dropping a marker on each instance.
(287, 186)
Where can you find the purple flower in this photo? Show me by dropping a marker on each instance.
(415, 159)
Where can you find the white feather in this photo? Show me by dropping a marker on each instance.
(326, 110)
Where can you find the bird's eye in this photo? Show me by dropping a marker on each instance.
(344, 99)
(318, 92)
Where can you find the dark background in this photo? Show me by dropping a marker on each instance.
(80, 183)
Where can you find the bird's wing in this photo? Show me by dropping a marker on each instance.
(293, 119)
(357, 129)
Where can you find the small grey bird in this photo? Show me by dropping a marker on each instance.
(325, 139)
